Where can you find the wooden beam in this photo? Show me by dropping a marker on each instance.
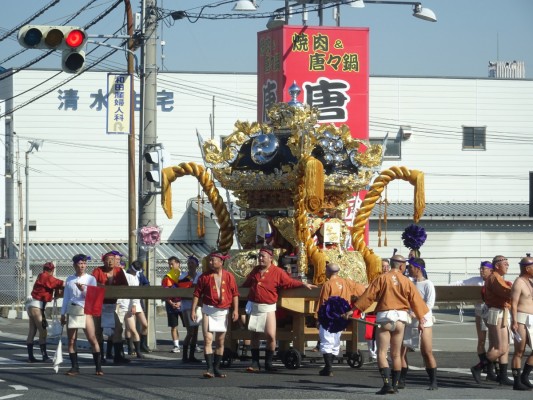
(469, 294)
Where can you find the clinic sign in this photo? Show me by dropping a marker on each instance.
(329, 64)
(119, 92)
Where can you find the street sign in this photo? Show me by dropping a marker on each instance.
(119, 95)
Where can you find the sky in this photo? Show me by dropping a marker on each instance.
(467, 35)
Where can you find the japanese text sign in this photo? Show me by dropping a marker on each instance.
(329, 64)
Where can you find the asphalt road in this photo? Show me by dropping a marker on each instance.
(161, 375)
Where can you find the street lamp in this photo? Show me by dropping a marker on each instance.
(34, 145)
(420, 12)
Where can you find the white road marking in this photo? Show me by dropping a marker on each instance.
(19, 387)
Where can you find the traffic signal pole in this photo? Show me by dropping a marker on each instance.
(148, 139)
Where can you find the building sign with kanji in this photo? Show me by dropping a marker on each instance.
(119, 91)
(329, 64)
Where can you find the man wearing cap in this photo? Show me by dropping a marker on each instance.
(73, 315)
(395, 294)
(264, 282)
(43, 291)
(330, 343)
(498, 300)
(522, 323)
(111, 275)
(218, 292)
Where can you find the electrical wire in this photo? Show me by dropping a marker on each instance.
(28, 20)
(46, 54)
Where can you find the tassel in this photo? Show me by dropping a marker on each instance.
(420, 200)
(166, 192)
(198, 221)
(379, 224)
(385, 217)
(373, 263)
(314, 185)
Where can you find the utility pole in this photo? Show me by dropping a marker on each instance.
(132, 196)
(147, 196)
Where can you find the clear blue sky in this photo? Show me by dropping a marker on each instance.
(468, 34)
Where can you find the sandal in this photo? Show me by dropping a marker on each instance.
(100, 373)
(220, 375)
(252, 369)
(208, 375)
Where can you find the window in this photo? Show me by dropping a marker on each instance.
(474, 138)
(393, 149)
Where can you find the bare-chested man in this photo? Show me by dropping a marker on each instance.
(498, 300)
(522, 323)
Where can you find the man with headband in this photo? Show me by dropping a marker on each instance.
(44, 288)
(218, 292)
(522, 323)
(481, 313)
(498, 300)
(111, 275)
(330, 343)
(264, 282)
(395, 294)
(72, 314)
(417, 271)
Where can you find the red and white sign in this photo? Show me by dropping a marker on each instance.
(329, 64)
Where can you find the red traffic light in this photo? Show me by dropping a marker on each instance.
(75, 38)
(55, 37)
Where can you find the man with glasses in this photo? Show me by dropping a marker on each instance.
(498, 300)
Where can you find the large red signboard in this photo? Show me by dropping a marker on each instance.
(329, 64)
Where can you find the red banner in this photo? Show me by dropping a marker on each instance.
(329, 64)
(94, 300)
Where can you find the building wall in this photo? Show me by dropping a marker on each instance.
(455, 248)
(78, 180)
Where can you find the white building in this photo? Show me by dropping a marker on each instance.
(471, 137)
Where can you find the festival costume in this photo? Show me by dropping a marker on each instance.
(43, 290)
(497, 296)
(73, 307)
(262, 299)
(263, 293)
(189, 344)
(330, 342)
(109, 318)
(335, 286)
(215, 308)
(395, 294)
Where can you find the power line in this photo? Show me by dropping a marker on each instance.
(28, 20)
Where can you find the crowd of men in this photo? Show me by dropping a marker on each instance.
(403, 302)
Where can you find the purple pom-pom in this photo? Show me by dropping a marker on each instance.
(414, 237)
(330, 314)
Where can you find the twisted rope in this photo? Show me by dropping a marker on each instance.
(170, 174)
(415, 178)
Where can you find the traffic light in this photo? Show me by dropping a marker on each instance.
(70, 39)
(158, 159)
